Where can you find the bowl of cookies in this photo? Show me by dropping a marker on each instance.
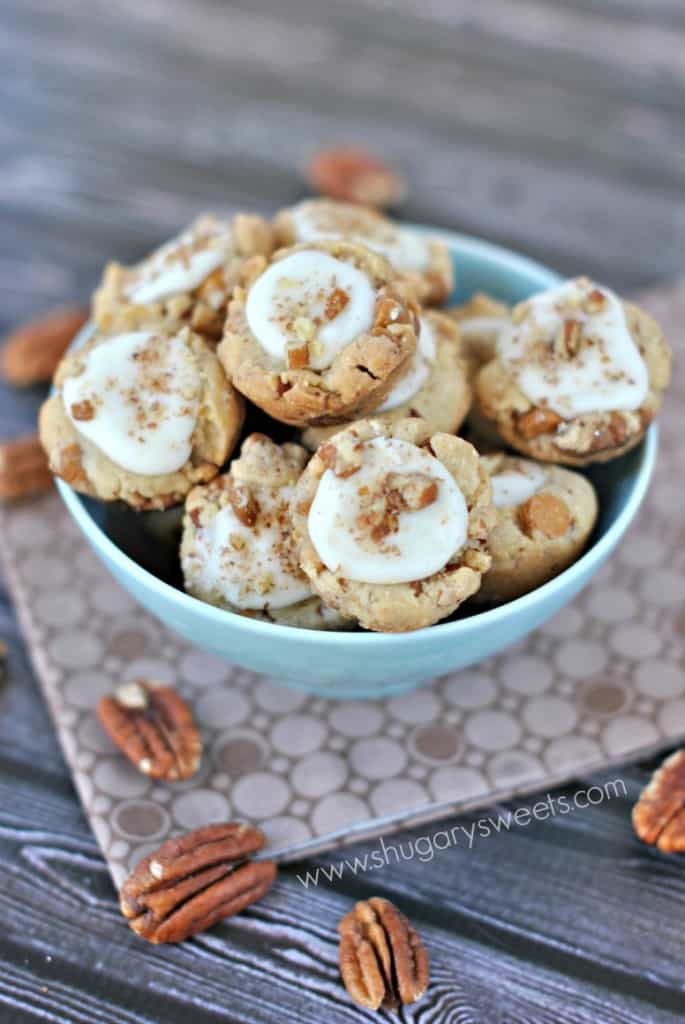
(350, 454)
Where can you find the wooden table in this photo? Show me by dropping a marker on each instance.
(556, 127)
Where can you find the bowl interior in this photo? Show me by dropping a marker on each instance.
(141, 549)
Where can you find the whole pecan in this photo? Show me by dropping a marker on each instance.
(32, 352)
(154, 727)
(193, 881)
(382, 958)
(24, 469)
(659, 814)
(355, 176)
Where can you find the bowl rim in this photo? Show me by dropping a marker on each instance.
(593, 557)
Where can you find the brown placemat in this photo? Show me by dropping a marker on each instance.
(602, 682)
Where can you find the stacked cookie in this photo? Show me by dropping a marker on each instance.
(321, 328)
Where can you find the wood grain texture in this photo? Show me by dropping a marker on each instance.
(556, 127)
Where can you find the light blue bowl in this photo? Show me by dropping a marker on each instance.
(372, 664)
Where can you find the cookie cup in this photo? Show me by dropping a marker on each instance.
(400, 607)
(360, 375)
(580, 440)
(202, 307)
(84, 466)
(431, 283)
(536, 539)
(255, 492)
(442, 401)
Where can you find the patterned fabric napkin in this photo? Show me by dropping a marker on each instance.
(602, 682)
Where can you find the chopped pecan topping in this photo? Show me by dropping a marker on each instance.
(355, 176)
(24, 470)
(335, 303)
(154, 727)
(547, 514)
(411, 491)
(396, 493)
(595, 302)
(83, 411)
(297, 355)
(568, 341)
(388, 311)
(659, 814)
(215, 283)
(243, 503)
(192, 882)
(382, 959)
(343, 455)
(537, 421)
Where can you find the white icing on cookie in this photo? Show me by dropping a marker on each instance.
(311, 297)
(322, 219)
(137, 400)
(420, 366)
(253, 568)
(183, 263)
(424, 540)
(517, 484)
(483, 326)
(606, 372)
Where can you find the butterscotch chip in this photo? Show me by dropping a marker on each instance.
(537, 421)
(547, 514)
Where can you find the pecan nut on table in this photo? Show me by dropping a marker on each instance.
(192, 882)
(153, 726)
(659, 814)
(382, 959)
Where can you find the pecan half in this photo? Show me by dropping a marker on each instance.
(547, 514)
(24, 470)
(382, 959)
(537, 421)
(195, 880)
(154, 727)
(355, 176)
(32, 352)
(659, 814)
